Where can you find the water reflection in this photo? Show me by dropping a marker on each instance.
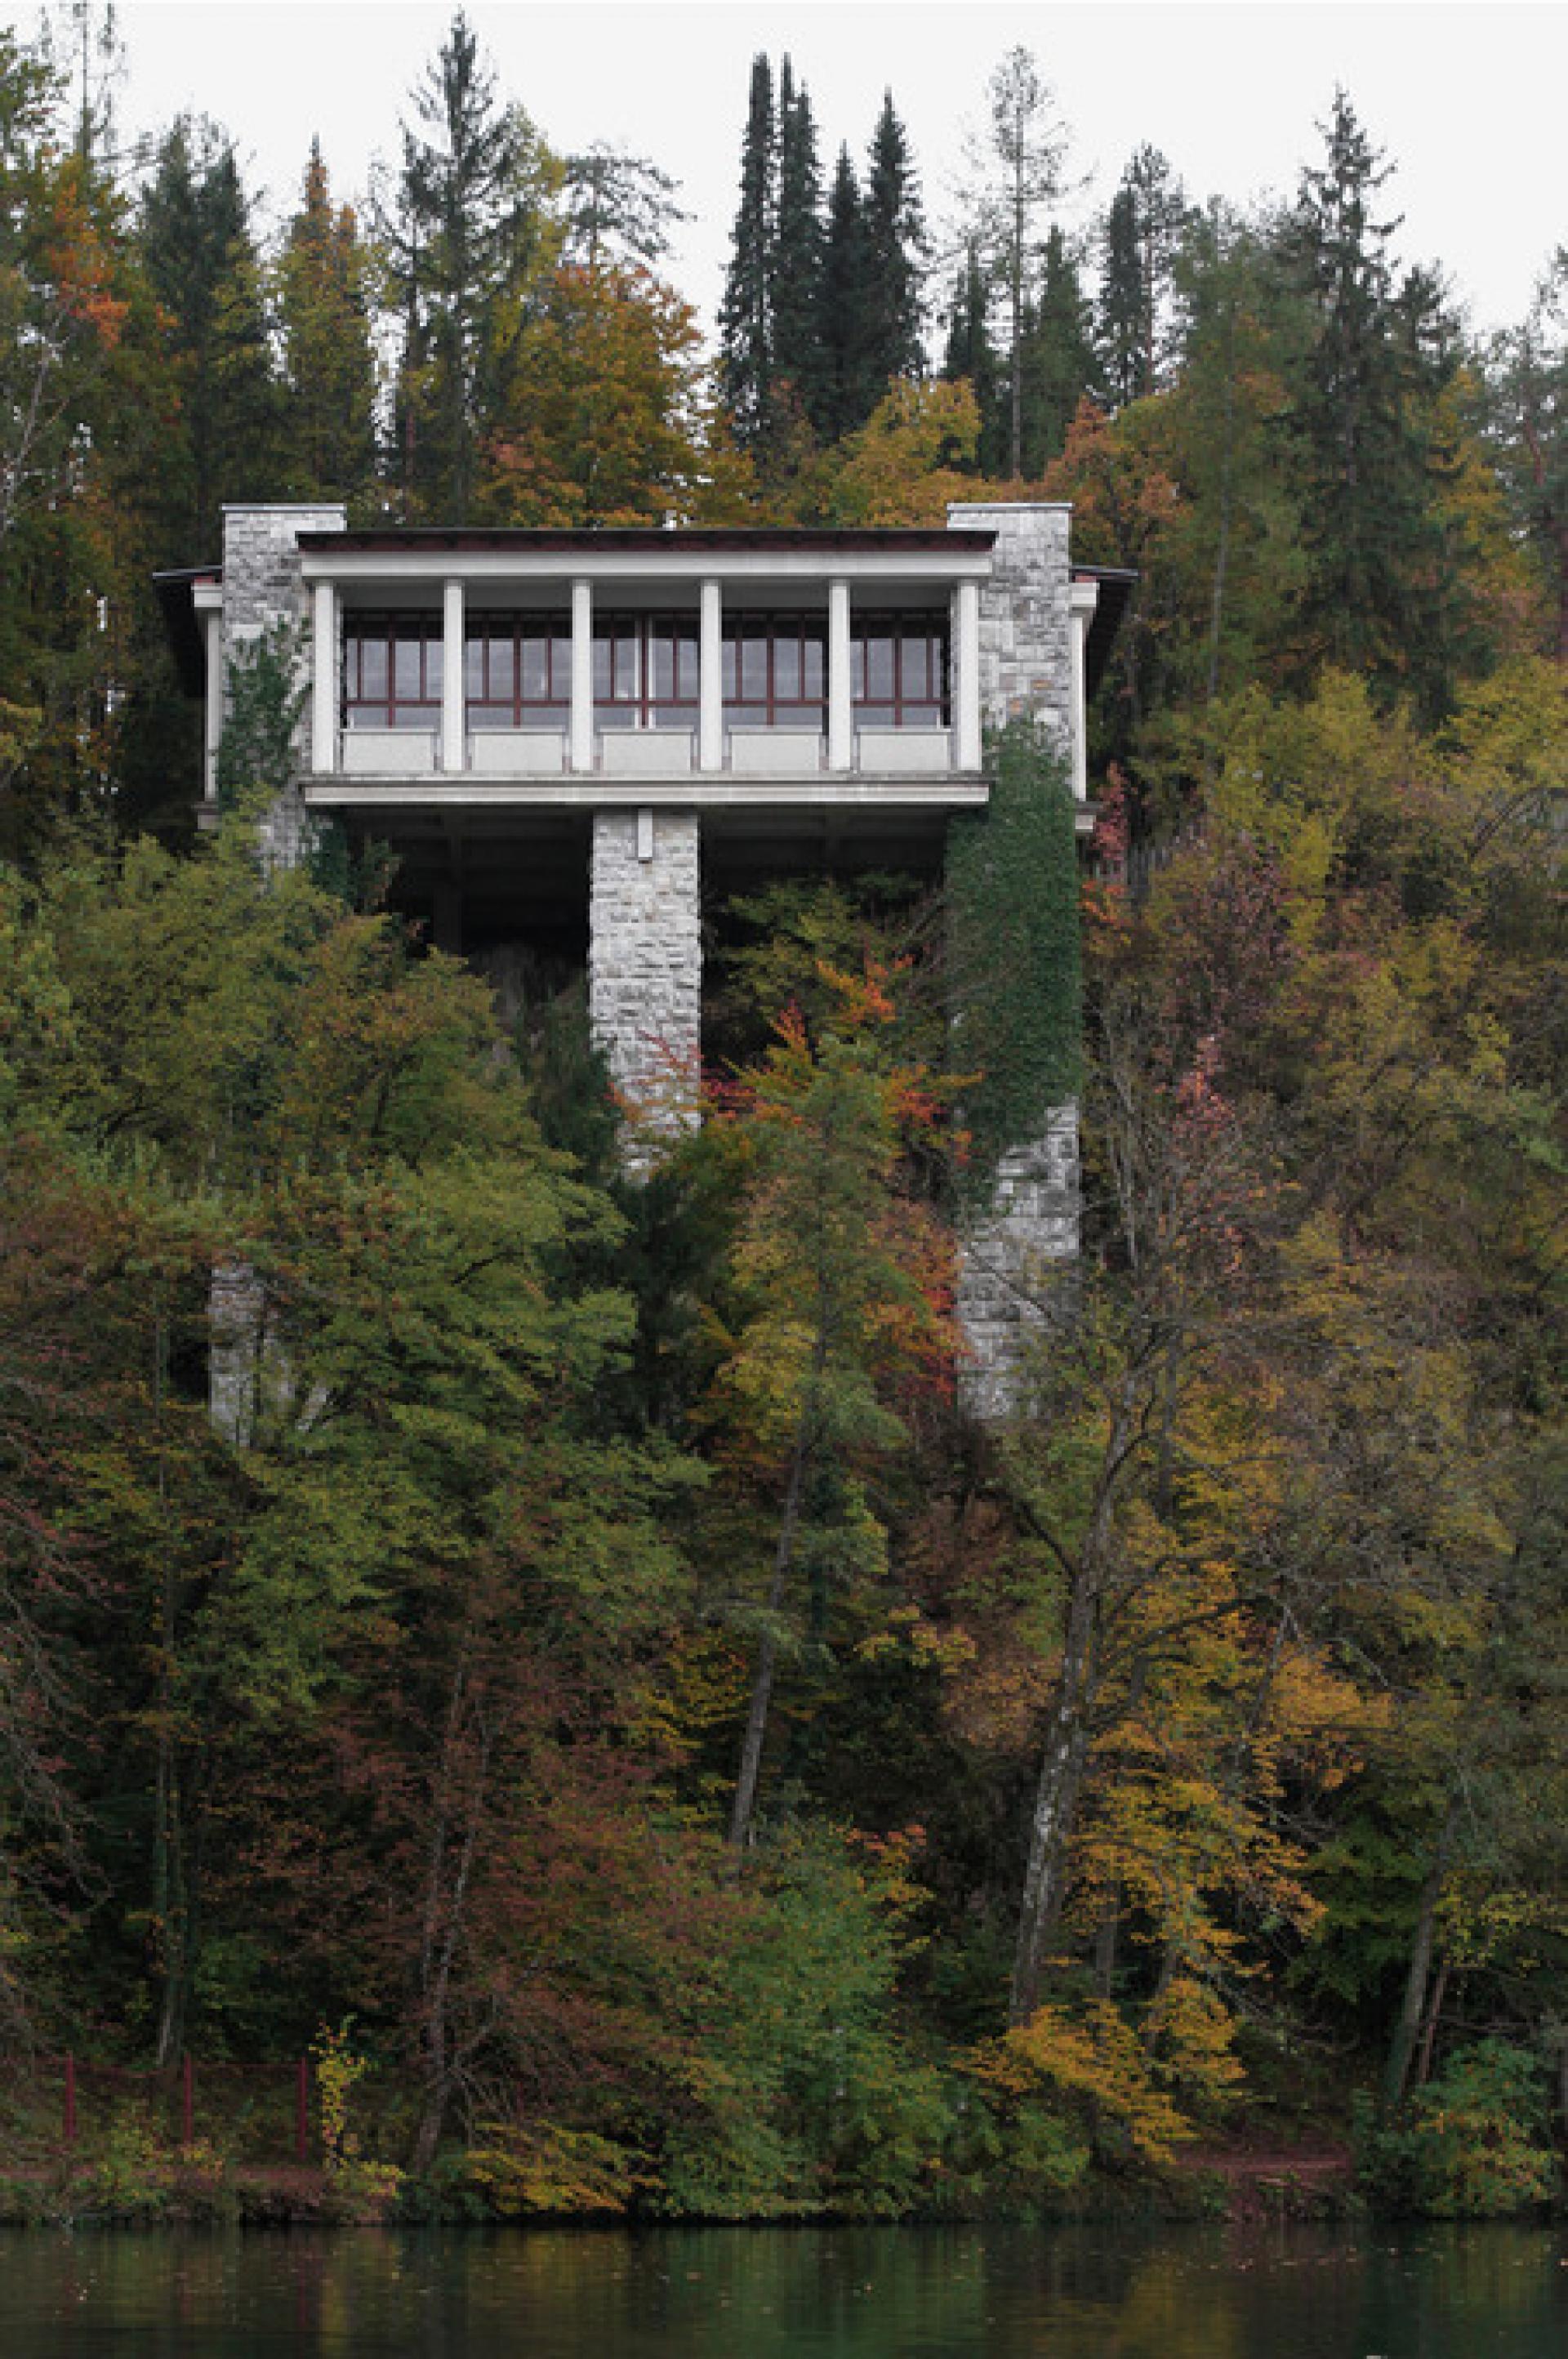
(894, 2293)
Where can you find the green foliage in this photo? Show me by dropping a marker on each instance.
(1013, 902)
(811, 2098)
(1474, 2144)
(266, 692)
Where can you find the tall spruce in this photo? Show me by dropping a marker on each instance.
(1359, 449)
(201, 260)
(469, 235)
(1140, 242)
(846, 398)
(745, 315)
(1060, 364)
(325, 300)
(797, 261)
(893, 244)
(969, 354)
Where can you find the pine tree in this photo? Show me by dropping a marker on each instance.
(202, 262)
(797, 361)
(324, 312)
(1060, 364)
(1018, 165)
(969, 354)
(1361, 457)
(894, 241)
(845, 397)
(1527, 403)
(1121, 300)
(619, 209)
(1140, 242)
(745, 316)
(469, 241)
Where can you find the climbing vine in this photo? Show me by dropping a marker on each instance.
(266, 696)
(1013, 898)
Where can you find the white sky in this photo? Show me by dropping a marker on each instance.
(1467, 99)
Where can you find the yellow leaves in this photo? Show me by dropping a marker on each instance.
(1095, 2060)
(545, 2167)
(901, 467)
(906, 1634)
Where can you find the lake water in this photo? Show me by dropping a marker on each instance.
(879, 2293)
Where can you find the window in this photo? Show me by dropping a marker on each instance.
(646, 671)
(899, 670)
(776, 671)
(392, 671)
(517, 671)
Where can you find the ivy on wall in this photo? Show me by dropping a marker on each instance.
(264, 697)
(1014, 947)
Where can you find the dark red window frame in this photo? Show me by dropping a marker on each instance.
(900, 669)
(774, 672)
(392, 670)
(517, 669)
(646, 669)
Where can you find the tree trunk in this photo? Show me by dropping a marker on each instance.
(763, 1686)
(1056, 1801)
(444, 1914)
(1408, 2028)
(1434, 2010)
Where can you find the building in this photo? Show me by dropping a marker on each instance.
(569, 738)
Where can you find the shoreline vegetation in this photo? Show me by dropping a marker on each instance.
(1241, 2187)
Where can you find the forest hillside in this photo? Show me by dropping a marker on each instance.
(1184, 1764)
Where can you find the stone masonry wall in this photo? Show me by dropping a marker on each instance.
(261, 562)
(1026, 656)
(1018, 1251)
(261, 586)
(645, 967)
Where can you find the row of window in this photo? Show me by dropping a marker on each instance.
(517, 671)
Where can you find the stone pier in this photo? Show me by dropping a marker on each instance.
(644, 968)
(1018, 1252)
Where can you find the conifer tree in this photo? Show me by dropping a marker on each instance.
(797, 357)
(894, 241)
(470, 237)
(1362, 460)
(1059, 360)
(1019, 164)
(971, 353)
(1140, 240)
(324, 311)
(1528, 400)
(745, 316)
(201, 259)
(619, 207)
(845, 399)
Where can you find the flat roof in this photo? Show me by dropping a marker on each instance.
(644, 541)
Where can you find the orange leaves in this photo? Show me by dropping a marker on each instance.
(84, 268)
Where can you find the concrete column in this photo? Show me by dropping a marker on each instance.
(711, 673)
(582, 676)
(645, 970)
(454, 718)
(323, 678)
(1084, 599)
(966, 676)
(840, 704)
(213, 718)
